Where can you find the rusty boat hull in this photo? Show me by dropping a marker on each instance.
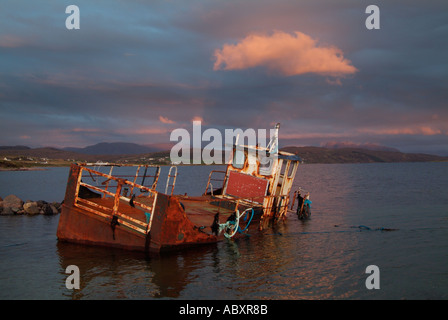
(125, 211)
(171, 229)
(151, 223)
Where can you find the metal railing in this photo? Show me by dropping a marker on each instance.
(210, 185)
(168, 179)
(142, 227)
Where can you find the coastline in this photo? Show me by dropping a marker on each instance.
(7, 169)
(26, 169)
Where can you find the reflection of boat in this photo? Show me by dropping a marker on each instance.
(109, 273)
(116, 211)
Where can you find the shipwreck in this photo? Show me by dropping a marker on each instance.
(126, 211)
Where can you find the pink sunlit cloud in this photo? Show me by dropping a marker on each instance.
(420, 130)
(287, 54)
(197, 118)
(165, 120)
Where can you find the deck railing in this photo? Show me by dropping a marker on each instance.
(210, 179)
(122, 186)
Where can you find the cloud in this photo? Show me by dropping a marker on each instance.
(11, 41)
(141, 131)
(197, 118)
(351, 144)
(165, 120)
(419, 130)
(287, 54)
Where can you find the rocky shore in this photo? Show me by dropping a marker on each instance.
(13, 205)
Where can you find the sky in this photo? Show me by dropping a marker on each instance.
(135, 71)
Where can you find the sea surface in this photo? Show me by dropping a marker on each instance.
(325, 257)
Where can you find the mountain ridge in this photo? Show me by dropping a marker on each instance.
(309, 154)
(358, 155)
(114, 148)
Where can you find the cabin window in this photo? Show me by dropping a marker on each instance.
(238, 158)
(282, 168)
(292, 166)
(265, 167)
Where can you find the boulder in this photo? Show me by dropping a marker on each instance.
(31, 207)
(54, 209)
(41, 203)
(12, 204)
(7, 211)
(57, 205)
(46, 209)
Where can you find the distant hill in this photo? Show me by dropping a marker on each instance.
(351, 145)
(113, 148)
(134, 153)
(357, 155)
(13, 157)
(47, 152)
(14, 148)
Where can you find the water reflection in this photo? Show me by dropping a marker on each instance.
(119, 274)
(320, 258)
(285, 262)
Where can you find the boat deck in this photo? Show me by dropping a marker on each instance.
(201, 212)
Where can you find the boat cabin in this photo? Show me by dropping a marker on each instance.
(260, 176)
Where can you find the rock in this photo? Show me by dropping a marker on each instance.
(7, 211)
(57, 205)
(11, 205)
(41, 203)
(46, 209)
(13, 202)
(54, 209)
(31, 207)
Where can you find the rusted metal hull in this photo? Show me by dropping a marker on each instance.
(174, 221)
(250, 198)
(172, 228)
(79, 226)
(87, 224)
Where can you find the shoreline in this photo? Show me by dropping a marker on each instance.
(5, 169)
(25, 169)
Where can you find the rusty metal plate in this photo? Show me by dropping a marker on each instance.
(245, 186)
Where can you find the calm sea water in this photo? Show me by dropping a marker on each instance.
(322, 258)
